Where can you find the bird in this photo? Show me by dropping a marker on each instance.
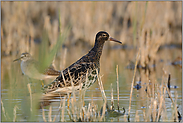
(31, 68)
(84, 72)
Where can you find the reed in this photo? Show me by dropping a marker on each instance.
(156, 106)
(15, 113)
(131, 90)
(29, 88)
(117, 81)
(3, 110)
(43, 115)
(63, 109)
(112, 101)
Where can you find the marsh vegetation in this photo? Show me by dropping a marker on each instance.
(140, 80)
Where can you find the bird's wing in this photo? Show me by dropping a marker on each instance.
(51, 71)
(77, 72)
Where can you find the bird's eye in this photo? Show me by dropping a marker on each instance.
(104, 35)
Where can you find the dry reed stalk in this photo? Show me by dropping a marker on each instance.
(152, 77)
(95, 113)
(2, 106)
(168, 90)
(175, 108)
(73, 91)
(125, 117)
(74, 96)
(63, 77)
(29, 88)
(74, 111)
(117, 86)
(49, 114)
(169, 94)
(103, 96)
(88, 113)
(69, 113)
(94, 117)
(81, 99)
(83, 112)
(63, 109)
(154, 110)
(164, 112)
(83, 94)
(112, 101)
(15, 112)
(92, 103)
(59, 109)
(148, 114)
(153, 88)
(144, 114)
(56, 116)
(150, 83)
(131, 91)
(136, 116)
(158, 91)
(81, 115)
(160, 106)
(158, 99)
(101, 87)
(43, 114)
(173, 103)
(57, 113)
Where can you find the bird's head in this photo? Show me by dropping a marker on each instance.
(24, 56)
(103, 36)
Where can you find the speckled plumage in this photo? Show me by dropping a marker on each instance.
(86, 66)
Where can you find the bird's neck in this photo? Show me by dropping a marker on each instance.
(97, 50)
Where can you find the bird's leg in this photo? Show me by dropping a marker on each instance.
(42, 83)
(69, 96)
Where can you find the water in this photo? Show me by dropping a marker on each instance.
(15, 91)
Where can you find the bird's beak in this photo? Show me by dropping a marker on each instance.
(112, 39)
(17, 59)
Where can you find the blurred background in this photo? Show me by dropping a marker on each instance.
(23, 22)
(154, 27)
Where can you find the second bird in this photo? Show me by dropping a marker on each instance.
(30, 67)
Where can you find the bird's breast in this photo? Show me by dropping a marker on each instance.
(91, 78)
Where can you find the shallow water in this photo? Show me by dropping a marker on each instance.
(14, 89)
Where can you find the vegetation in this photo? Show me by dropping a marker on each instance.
(51, 31)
